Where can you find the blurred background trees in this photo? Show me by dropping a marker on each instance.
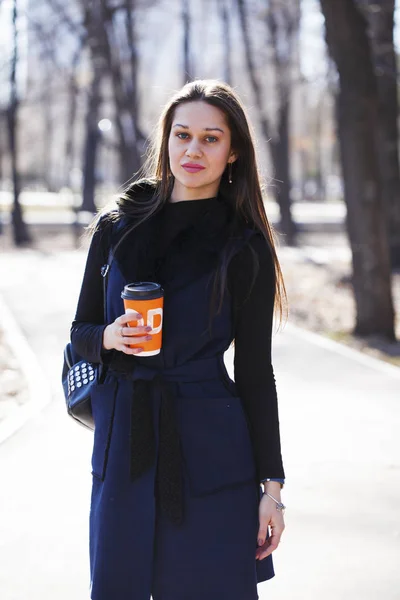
(358, 129)
(83, 82)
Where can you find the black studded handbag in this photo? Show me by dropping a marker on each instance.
(79, 376)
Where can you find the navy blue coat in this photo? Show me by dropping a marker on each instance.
(135, 549)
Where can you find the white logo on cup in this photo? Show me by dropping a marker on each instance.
(150, 319)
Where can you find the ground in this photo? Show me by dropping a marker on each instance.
(320, 299)
(13, 387)
(339, 418)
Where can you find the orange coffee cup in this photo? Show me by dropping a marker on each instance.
(146, 298)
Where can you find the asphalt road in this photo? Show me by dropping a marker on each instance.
(340, 423)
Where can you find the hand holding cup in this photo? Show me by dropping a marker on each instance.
(119, 335)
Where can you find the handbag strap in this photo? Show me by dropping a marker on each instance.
(104, 273)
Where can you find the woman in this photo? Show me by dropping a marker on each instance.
(180, 449)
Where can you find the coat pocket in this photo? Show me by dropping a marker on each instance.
(103, 408)
(216, 443)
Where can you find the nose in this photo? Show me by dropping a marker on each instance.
(193, 149)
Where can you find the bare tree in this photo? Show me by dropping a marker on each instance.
(21, 234)
(380, 17)
(93, 23)
(358, 125)
(277, 137)
(283, 21)
(226, 35)
(72, 95)
(186, 22)
(124, 85)
(319, 174)
(91, 145)
(108, 28)
(47, 105)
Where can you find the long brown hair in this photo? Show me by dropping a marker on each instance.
(245, 192)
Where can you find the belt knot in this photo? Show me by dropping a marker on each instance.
(169, 465)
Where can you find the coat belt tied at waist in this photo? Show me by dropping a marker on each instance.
(169, 475)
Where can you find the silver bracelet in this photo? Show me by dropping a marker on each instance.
(279, 505)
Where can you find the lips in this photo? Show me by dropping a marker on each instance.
(192, 168)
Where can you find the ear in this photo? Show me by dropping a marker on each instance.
(233, 156)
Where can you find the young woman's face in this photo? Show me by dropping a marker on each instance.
(199, 148)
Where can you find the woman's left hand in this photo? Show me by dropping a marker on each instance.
(269, 516)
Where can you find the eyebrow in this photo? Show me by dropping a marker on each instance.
(205, 128)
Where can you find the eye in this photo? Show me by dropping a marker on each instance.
(211, 138)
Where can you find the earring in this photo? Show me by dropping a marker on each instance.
(230, 173)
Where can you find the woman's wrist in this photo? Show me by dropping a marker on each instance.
(273, 487)
(107, 345)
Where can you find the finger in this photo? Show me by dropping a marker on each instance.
(262, 548)
(269, 547)
(134, 331)
(138, 340)
(128, 350)
(269, 550)
(131, 315)
(262, 534)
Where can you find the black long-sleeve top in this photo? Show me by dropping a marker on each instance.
(253, 370)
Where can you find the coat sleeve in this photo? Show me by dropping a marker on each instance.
(88, 325)
(253, 302)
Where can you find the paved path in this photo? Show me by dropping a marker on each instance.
(340, 423)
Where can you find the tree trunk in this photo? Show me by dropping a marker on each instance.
(282, 188)
(70, 129)
(126, 120)
(357, 106)
(187, 67)
(20, 230)
(282, 22)
(48, 133)
(133, 100)
(281, 160)
(91, 145)
(94, 27)
(319, 170)
(381, 26)
(72, 113)
(226, 35)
